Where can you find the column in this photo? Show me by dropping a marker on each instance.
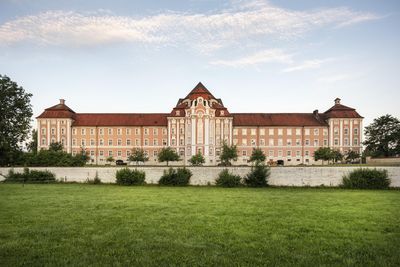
(206, 136)
(68, 136)
(341, 135)
(194, 133)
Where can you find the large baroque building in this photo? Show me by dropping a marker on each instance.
(201, 123)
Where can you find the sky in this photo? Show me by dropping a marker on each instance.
(124, 56)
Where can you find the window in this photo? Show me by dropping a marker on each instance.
(164, 131)
(83, 131)
(43, 131)
(298, 131)
(280, 131)
(110, 142)
(181, 130)
(173, 130)
(83, 142)
(155, 153)
(244, 131)
(280, 142)
(235, 131)
(289, 153)
(128, 131)
(62, 130)
(289, 131)
(271, 131)
(271, 142)
(155, 142)
(316, 131)
(325, 142)
(137, 142)
(137, 131)
(128, 153)
(128, 142)
(271, 153)
(164, 142)
(253, 142)
(119, 131)
(325, 132)
(110, 153)
(92, 142)
(336, 130)
(280, 153)
(101, 142)
(235, 141)
(253, 132)
(91, 152)
(119, 153)
(110, 131)
(316, 143)
(262, 142)
(346, 131)
(101, 131)
(74, 142)
(355, 131)
(298, 153)
(244, 153)
(289, 142)
(74, 131)
(336, 142)
(181, 142)
(146, 142)
(307, 132)
(101, 153)
(298, 143)
(346, 141)
(244, 142)
(53, 131)
(307, 142)
(44, 141)
(356, 141)
(119, 142)
(307, 153)
(155, 131)
(91, 131)
(173, 142)
(262, 132)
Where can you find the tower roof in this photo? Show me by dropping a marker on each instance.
(200, 90)
(58, 111)
(341, 111)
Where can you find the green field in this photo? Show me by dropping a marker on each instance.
(86, 225)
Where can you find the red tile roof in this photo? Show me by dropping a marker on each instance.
(121, 119)
(200, 90)
(341, 111)
(58, 111)
(277, 119)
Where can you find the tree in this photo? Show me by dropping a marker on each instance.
(168, 154)
(257, 156)
(323, 153)
(352, 155)
(110, 159)
(228, 153)
(336, 155)
(138, 155)
(56, 146)
(83, 155)
(33, 144)
(15, 118)
(382, 137)
(197, 160)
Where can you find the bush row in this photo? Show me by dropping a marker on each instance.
(29, 176)
(257, 177)
(366, 179)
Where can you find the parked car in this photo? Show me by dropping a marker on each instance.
(120, 162)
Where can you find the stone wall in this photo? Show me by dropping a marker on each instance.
(384, 161)
(280, 176)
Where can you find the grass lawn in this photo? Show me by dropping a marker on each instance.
(86, 225)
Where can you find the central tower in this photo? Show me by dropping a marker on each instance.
(199, 123)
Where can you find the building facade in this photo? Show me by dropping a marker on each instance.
(201, 123)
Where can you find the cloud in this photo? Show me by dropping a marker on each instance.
(205, 32)
(265, 56)
(335, 78)
(308, 64)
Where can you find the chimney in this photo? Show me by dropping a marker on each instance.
(62, 101)
(315, 113)
(337, 101)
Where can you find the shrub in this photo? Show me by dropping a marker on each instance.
(366, 179)
(130, 177)
(258, 176)
(227, 179)
(179, 177)
(30, 176)
(96, 179)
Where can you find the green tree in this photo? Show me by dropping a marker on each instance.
(352, 155)
(15, 118)
(382, 137)
(83, 155)
(228, 153)
(257, 156)
(110, 159)
(336, 156)
(168, 154)
(197, 160)
(138, 155)
(33, 144)
(56, 146)
(324, 154)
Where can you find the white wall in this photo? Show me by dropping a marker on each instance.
(280, 176)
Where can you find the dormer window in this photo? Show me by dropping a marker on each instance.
(178, 113)
(222, 113)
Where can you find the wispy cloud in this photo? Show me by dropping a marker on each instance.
(308, 64)
(335, 78)
(268, 55)
(203, 31)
